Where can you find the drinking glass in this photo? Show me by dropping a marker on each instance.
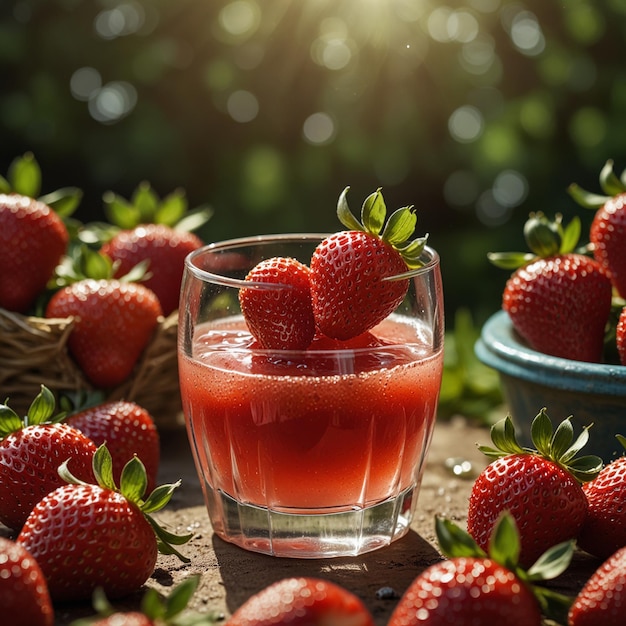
(306, 453)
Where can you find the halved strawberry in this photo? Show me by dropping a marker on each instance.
(278, 309)
(302, 601)
(354, 273)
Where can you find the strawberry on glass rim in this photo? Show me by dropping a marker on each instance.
(358, 276)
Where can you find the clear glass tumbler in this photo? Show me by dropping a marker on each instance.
(313, 453)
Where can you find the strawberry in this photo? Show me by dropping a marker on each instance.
(620, 336)
(558, 301)
(155, 610)
(164, 247)
(302, 601)
(31, 450)
(607, 234)
(540, 488)
(476, 587)
(86, 536)
(279, 317)
(127, 429)
(33, 239)
(351, 270)
(604, 530)
(602, 600)
(113, 323)
(24, 595)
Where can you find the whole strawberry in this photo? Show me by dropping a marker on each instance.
(280, 314)
(604, 530)
(303, 601)
(352, 272)
(476, 587)
(113, 323)
(33, 239)
(540, 488)
(127, 429)
(31, 450)
(602, 600)
(86, 536)
(155, 609)
(24, 596)
(558, 301)
(164, 247)
(607, 234)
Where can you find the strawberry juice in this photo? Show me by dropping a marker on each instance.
(306, 453)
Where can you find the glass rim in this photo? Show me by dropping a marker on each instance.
(432, 257)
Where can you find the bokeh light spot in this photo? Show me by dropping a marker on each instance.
(466, 124)
(318, 129)
(112, 102)
(510, 188)
(84, 82)
(242, 106)
(526, 34)
(240, 18)
(588, 127)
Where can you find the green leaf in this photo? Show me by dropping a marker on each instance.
(504, 438)
(571, 236)
(152, 606)
(622, 440)
(552, 563)
(194, 219)
(373, 213)
(24, 175)
(171, 209)
(585, 198)
(344, 214)
(179, 597)
(400, 226)
(609, 182)
(133, 481)
(119, 211)
(585, 468)
(510, 260)
(64, 201)
(576, 447)
(159, 497)
(562, 439)
(541, 433)
(146, 202)
(103, 468)
(504, 543)
(454, 541)
(41, 408)
(10, 421)
(167, 540)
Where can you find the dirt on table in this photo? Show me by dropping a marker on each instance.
(230, 575)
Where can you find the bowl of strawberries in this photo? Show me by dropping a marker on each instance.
(560, 339)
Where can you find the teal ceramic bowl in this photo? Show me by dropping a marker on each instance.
(592, 393)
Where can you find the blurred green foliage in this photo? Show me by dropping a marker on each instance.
(475, 111)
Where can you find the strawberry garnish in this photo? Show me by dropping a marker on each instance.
(357, 276)
(33, 238)
(86, 536)
(604, 530)
(113, 323)
(278, 309)
(540, 488)
(302, 601)
(602, 600)
(473, 586)
(127, 429)
(31, 449)
(24, 595)
(559, 301)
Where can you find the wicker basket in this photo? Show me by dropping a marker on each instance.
(33, 351)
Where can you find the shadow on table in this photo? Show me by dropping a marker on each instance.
(245, 573)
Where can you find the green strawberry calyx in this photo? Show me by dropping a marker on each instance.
(41, 411)
(545, 238)
(166, 611)
(133, 484)
(396, 231)
(557, 445)
(611, 184)
(504, 549)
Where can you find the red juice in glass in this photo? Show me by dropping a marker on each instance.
(317, 452)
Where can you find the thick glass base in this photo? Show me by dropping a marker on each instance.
(308, 535)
